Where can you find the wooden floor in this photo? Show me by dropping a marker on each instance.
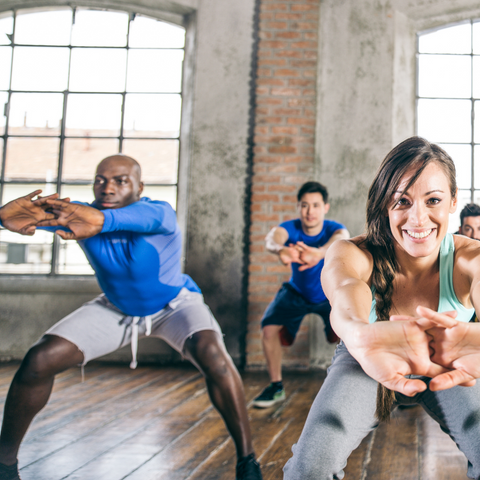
(158, 423)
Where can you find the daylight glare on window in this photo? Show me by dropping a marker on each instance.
(448, 96)
(77, 85)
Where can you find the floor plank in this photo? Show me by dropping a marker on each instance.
(158, 423)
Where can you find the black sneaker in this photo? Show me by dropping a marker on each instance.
(248, 469)
(9, 472)
(270, 396)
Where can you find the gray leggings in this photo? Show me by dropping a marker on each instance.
(344, 413)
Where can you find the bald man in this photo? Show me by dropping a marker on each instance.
(134, 246)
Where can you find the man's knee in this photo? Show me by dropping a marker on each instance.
(270, 332)
(206, 350)
(48, 357)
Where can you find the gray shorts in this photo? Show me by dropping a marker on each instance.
(98, 327)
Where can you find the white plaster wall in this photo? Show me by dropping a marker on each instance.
(366, 89)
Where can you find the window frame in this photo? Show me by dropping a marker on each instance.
(185, 93)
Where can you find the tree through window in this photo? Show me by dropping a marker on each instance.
(77, 85)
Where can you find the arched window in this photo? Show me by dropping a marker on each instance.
(77, 85)
(448, 101)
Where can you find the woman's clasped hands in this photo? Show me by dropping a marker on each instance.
(433, 345)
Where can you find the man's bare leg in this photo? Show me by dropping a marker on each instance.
(31, 388)
(272, 348)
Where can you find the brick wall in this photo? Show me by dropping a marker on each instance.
(283, 152)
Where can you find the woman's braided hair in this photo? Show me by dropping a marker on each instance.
(413, 154)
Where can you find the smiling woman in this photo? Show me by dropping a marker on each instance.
(402, 297)
(78, 85)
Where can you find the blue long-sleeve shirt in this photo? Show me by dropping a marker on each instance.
(136, 257)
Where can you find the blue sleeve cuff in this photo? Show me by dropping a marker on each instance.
(108, 222)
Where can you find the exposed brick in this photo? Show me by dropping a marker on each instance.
(288, 35)
(287, 112)
(261, 217)
(276, 25)
(285, 130)
(286, 91)
(303, 8)
(269, 101)
(278, 269)
(282, 149)
(289, 16)
(268, 159)
(255, 268)
(276, 6)
(303, 26)
(300, 82)
(256, 208)
(289, 54)
(285, 72)
(265, 198)
(258, 188)
(257, 248)
(304, 44)
(281, 188)
(300, 102)
(263, 44)
(283, 169)
(276, 62)
(284, 208)
(301, 121)
(270, 81)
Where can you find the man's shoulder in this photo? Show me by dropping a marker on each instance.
(290, 225)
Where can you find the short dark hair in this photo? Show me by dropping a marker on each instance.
(469, 210)
(313, 187)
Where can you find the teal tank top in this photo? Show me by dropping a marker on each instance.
(448, 300)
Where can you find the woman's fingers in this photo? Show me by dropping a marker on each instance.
(409, 387)
(451, 379)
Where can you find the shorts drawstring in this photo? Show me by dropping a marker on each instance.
(134, 341)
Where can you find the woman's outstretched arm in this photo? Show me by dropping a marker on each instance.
(387, 351)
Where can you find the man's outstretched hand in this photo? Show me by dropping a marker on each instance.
(23, 214)
(81, 220)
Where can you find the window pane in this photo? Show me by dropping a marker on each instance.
(6, 28)
(20, 253)
(476, 77)
(102, 29)
(79, 193)
(476, 37)
(43, 28)
(462, 156)
(154, 70)
(152, 115)
(3, 118)
(464, 197)
(445, 120)
(37, 68)
(98, 70)
(476, 166)
(456, 39)
(35, 113)
(150, 33)
(97, 115)
(32, 159)
(5, 62)
(72, 260)
(158, 158)
(444, 76)
(477, 122)
(82, 155)
(167, 194)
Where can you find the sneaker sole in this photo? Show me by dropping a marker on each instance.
(268, 403)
